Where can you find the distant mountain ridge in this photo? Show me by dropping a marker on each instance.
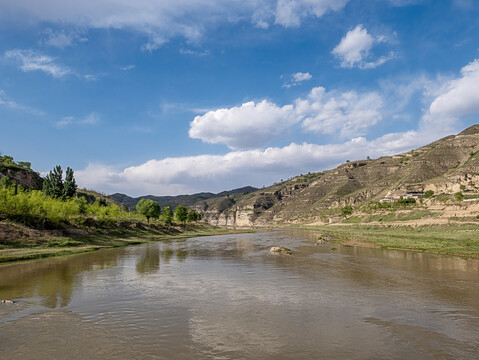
(174, 201)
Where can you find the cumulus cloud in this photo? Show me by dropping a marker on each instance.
(255, 124)
(350, 113)
(183, 175)
(162, 19)
(297, 79)
(354, 49)
(246, 126)
(459, 96)
(29, 60)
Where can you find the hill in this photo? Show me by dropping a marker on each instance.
(19, 173)
(446, 167)
(175, 201)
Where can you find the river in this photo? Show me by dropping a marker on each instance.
(228, 297)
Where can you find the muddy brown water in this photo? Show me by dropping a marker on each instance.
(228, 297)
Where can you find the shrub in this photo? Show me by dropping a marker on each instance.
(428, 194)
(347, 210)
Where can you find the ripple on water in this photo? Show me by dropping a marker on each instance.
(227, 297)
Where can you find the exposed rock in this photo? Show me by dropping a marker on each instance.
(446, 166)
(24, 177)
(323, 240)
(280, 250)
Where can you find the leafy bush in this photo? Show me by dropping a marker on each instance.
(347, 210)
(459, 196)
(34, 208)
(428, 194)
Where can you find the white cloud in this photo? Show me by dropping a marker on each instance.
(246, 126)
(194, 52)
(90, 119)
(255, 124)
(4, 101)
(29, 60)
(459, 96)
(350, 113)
(404, 2)
(7, 102)
(297, 79)
(127, 67)
(183, 175)
(290, 12)
(354, 48)
(161, 20)
(62, 39)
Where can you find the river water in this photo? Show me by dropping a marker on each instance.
(228, 297)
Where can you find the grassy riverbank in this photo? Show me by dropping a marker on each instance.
(20, 242)
(458, 239)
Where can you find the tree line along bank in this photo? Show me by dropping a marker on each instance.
(61, 203)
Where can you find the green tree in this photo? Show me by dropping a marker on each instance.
(53, 183)
(149, 208)
(193, 216)
(428, 194)
(69, 186)
(167, 215)
(181, 214)
(55, 187)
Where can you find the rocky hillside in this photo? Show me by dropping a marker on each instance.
(20, 174)
(447, 166)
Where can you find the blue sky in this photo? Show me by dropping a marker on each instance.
(169, 97)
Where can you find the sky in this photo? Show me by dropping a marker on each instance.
(168, 97)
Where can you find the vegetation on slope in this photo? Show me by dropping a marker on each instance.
(61, 220)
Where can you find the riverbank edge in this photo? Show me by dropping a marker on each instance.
(47, 243)
(456, 239)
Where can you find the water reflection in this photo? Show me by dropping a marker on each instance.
(51, 281)
(149, 261)
(227, 297)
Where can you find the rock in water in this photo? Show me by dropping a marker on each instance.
(280, 250)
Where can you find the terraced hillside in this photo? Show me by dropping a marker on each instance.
(445, 167)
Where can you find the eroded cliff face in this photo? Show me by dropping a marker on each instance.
(23, 177)
(447, 166)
